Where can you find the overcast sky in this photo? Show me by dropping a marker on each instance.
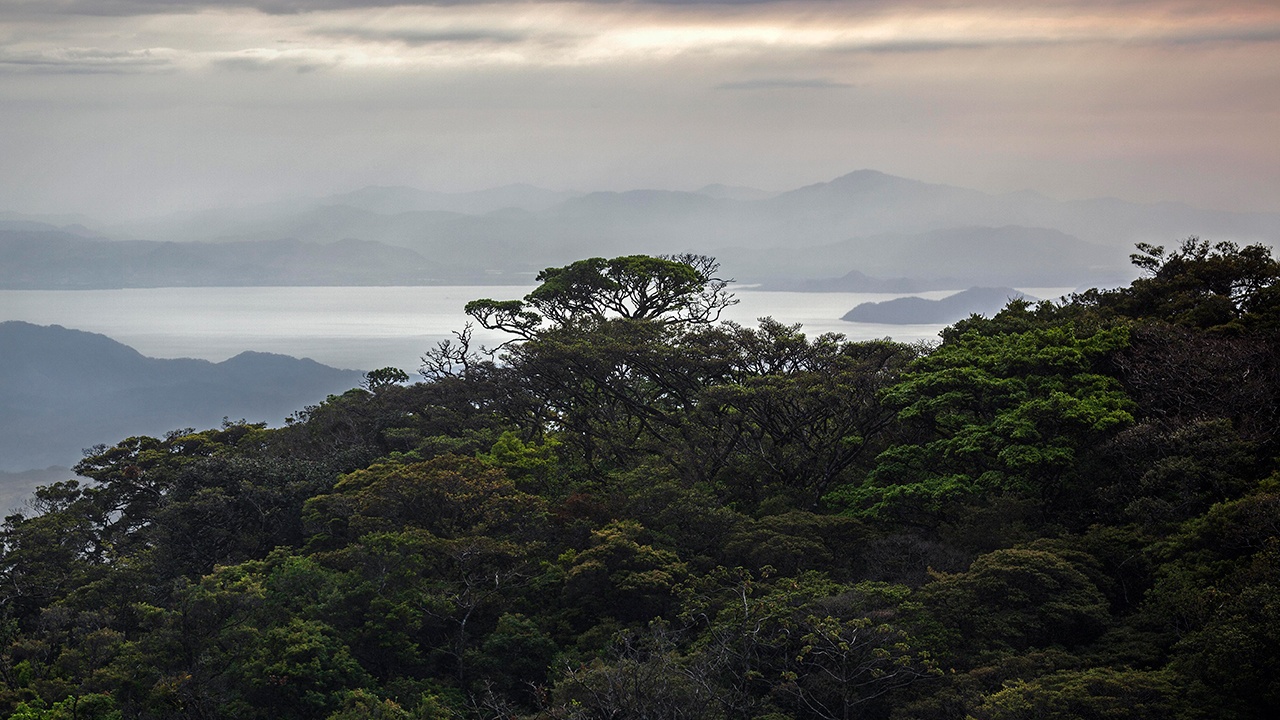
(136, 107)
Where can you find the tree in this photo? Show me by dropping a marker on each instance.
(670, 290)
(1014, 600)
(1217, 597)
(449, 496)
(376, 380)
(359, 704)
(1095, 693)
(1005, 413)
(800, 411)
(825, 649)
(515, 658)
(1202, 285)
(622, 575)
(645, 679)
(297, 669)
(594, 349)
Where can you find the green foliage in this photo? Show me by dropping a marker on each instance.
(995, 413)
(795, 541)
(94, 706)
(1097, 694)
(1217, 598)
(448, 496)
(360, 704)
(621, 575)
(645, 676)
(1069, 510)
(803, 412)
(296, 670)
(382, 378)
(1015, 600)
(533, 466)
(1203, 285)
(515, 657)
(805, 643)
(1166, 473)
(677, 289)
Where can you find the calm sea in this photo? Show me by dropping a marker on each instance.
(364, 327)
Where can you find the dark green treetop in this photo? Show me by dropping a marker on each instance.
(671, 289)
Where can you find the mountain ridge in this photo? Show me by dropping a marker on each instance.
(62, 390)
(985, 301)
(507, 234)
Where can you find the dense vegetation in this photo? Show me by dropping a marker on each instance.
(1070, 510)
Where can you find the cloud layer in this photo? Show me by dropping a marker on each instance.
(139, 105)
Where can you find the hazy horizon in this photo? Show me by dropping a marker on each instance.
(136, 108)
(304, 198)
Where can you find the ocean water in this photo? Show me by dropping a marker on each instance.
(366, 327)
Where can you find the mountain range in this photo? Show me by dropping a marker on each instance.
(881, 225)
(64, 390)
(59, 260)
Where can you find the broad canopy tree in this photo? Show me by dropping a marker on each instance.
(625, 356)
(671, 290)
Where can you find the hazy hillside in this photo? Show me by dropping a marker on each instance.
(734, 192)
(249, 222)
(877, 224)
(852, 281)
(54, 259)
(942, 259)
(390, 200)
(868, 202)
(64, 390)
(915, 310)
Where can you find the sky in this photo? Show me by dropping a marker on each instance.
(130, 108)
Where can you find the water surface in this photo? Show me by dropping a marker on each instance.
(365, 327)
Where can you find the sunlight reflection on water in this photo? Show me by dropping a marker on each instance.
(364, 327)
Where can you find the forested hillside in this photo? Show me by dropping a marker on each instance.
(1070, 510)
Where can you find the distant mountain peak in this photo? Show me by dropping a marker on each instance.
(870, 180)
(868, 176)
(874, 184)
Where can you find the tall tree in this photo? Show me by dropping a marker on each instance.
(670, 290)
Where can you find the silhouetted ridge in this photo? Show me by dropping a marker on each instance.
(915, 310)
(62, 390)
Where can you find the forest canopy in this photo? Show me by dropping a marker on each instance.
(633, 510)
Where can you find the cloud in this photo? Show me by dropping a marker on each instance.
(419, 38)
(290, 7)
(1078, 97)
(87, 61)
(110, 8)
(1228, 36)
(245, 63)
(909, 46)
(1065, 32)
(785, 84)
(257, 60)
